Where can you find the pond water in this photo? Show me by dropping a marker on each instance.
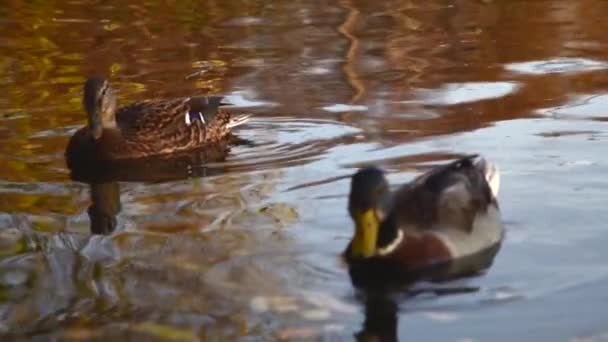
(247, 248)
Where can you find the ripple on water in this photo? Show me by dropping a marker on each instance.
(340, 107)
(243, 99)
(281, 142)
(557, 65)
(467, 92)
(244, 21)
(591, 107)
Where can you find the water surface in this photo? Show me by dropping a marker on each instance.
(248, 247)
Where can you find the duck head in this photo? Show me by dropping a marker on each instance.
(368, 191)
(100, 103)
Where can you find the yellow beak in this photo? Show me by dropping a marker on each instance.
(366, 234)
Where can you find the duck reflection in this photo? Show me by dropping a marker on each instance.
(382, 310)
(154, 169)
(105, 205)
(103, 178)
(382, 303)
(381, 320)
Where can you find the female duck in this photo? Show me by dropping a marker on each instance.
(445, 223)
(147, 128)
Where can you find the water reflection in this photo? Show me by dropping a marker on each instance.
(381, 320)
(198, 163)
(105, 205)
(559, 65)
(382, 302)
(348, 75)
(382, 309)
(103, 177)
(459, 93)
(90, 296)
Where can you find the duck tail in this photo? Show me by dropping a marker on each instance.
(491, 174)
(238, 120)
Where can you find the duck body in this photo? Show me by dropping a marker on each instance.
(446, 223)
(147, 128)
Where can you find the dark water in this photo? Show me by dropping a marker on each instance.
(248, 249)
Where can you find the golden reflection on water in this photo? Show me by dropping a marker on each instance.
(249, 250)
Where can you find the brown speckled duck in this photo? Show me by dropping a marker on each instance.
(147, 128)
(444, 224)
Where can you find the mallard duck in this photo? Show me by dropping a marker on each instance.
(152, 127)
(446, 219)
